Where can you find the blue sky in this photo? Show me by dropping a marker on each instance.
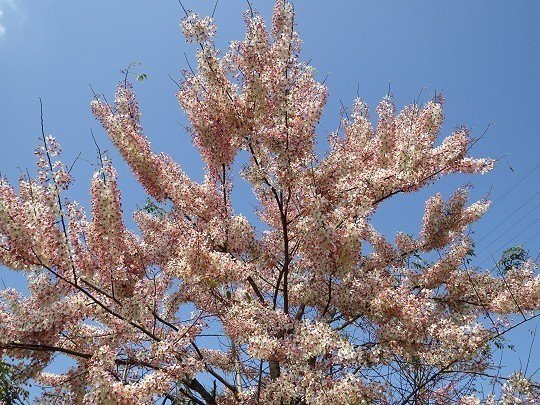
(483, 55)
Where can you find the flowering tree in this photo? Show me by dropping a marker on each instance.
(317, 306)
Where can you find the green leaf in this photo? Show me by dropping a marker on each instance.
(512, 258)
(153, 208)
(11, 390)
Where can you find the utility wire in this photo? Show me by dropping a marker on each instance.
(508, 217)
(507, 243)
(532, 237)
(517, 184)
(513, 225)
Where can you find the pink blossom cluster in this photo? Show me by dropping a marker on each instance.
(197, 29)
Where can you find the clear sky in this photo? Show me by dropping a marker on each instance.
(484, 55)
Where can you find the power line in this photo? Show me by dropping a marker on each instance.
(517, 184)
(509, 216)
(532, 237)
(507, 243)
(513, 225)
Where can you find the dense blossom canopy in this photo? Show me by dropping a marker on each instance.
(198, 305)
